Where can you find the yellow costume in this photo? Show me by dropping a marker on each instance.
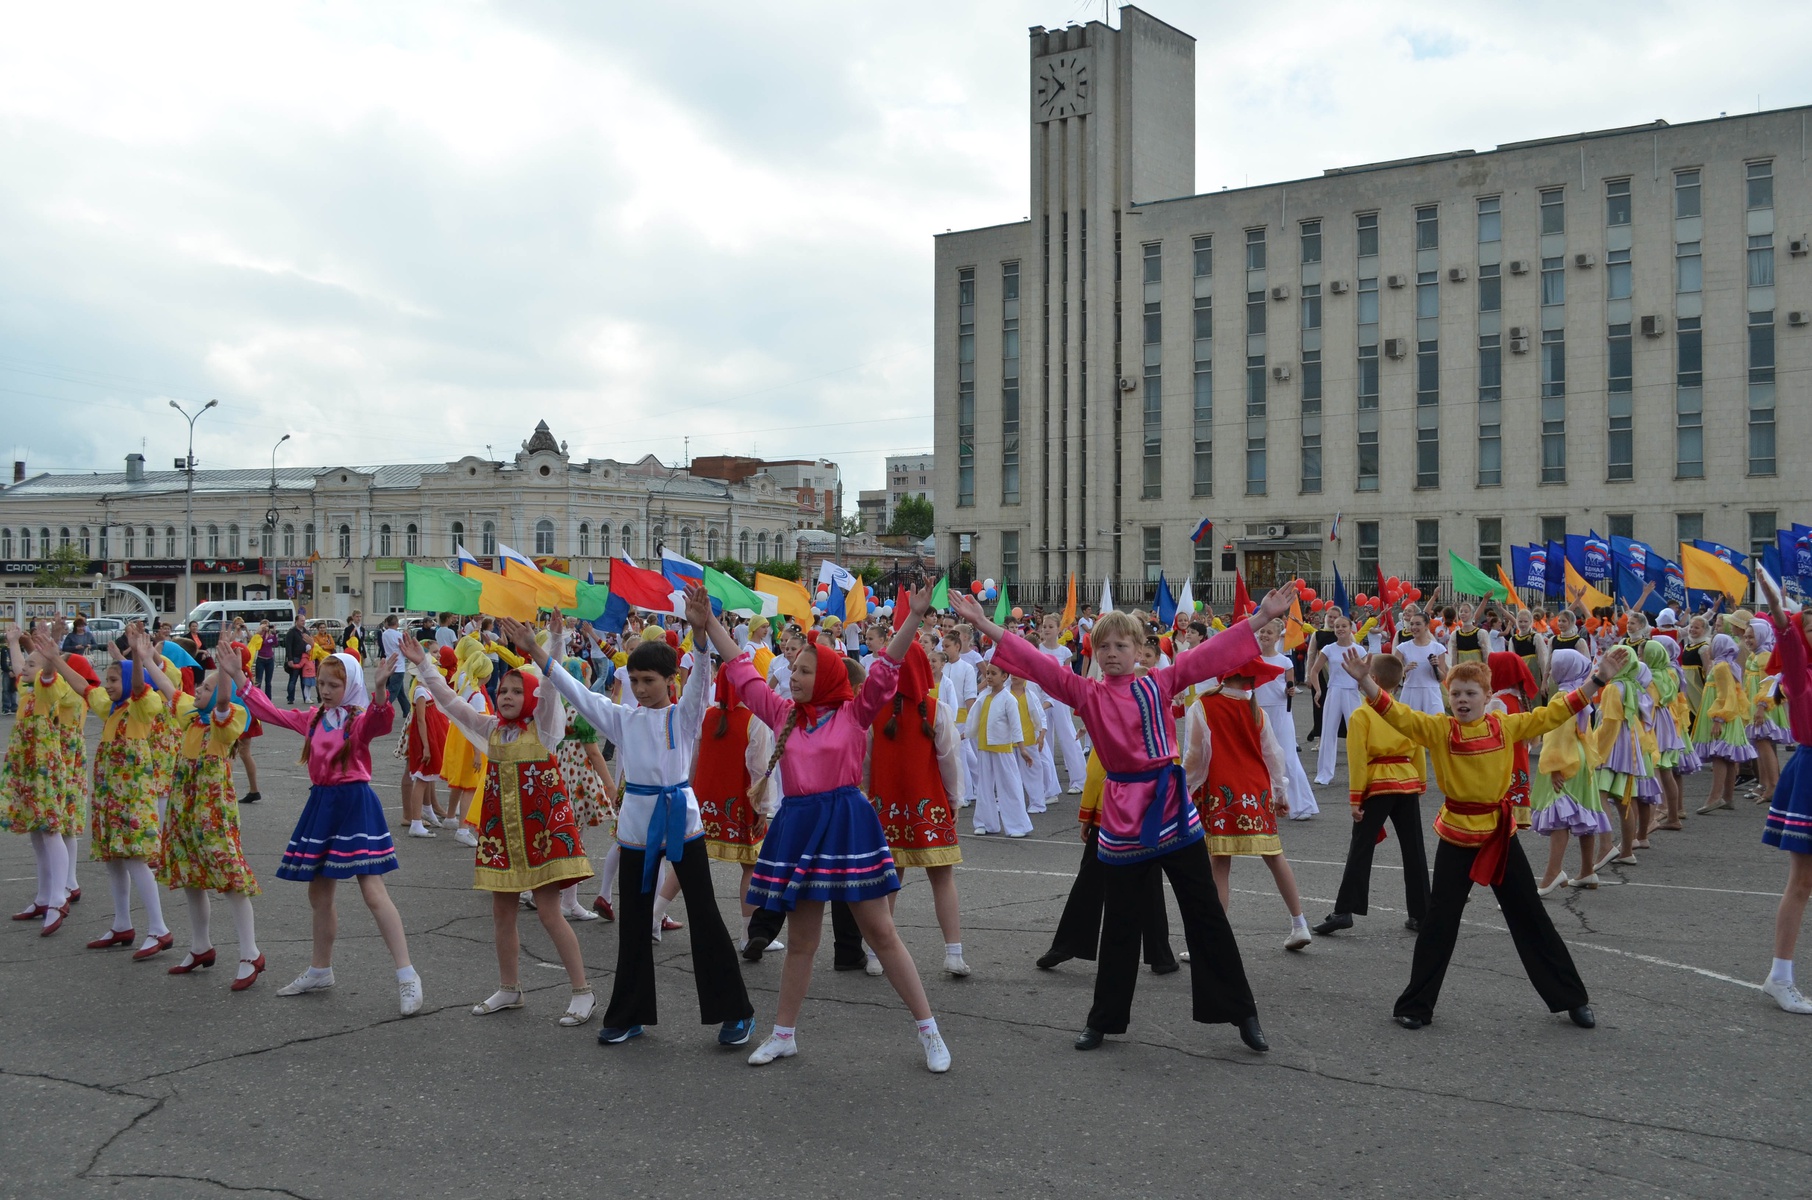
(1380, 761)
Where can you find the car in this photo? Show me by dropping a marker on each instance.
(107, 629)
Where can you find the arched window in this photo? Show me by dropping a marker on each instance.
(761, 547)
(308, 538)
(544, 536)
(86, 541)
(345, 543)
(489, 540)
(25, 542)
(213, 541)
(131, 543)
(604, 538)
(711, 545)
(742, 546)
(628, 538)
(193, 545)
(44, 540)
(412, 540)
(6, 543)
(289, 541)
(150, 542)
(233, 540)
(657, 538)
(584, 539)
(383, 536)
(169, 541)
(458, 530)
(63, 541)
(267, 542)
(685, 541)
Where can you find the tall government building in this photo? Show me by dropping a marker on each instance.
(1459, 351)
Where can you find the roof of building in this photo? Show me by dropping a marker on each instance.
(161, 483)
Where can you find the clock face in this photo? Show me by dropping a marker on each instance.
(1061, 86)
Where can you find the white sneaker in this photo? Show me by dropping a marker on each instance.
(773, 1048)
(954, 965)
(1299, 938)
(874, 967)
(937, 1055)
(580, 914)
(304, 983)
(1787, 996)
(1183, 957)
(410, 996)
(1075, 789)
(420, 830)
(466, 837)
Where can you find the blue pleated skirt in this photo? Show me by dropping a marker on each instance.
(341, 833)
(1789, 824)
(823, 846)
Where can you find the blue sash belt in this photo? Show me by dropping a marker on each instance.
(666, 825)
(1169, 779)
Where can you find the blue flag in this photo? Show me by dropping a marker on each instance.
(1557, 574)
(1730, 556)
(616, 615)
(1165, 603)
(1529, 566)
(1340, 601)
(1672, 584)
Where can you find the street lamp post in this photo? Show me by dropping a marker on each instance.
(187, 466)
(270, 516)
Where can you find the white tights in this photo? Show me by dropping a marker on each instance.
(199, 941)
(607, 874)
(52, 854)
(69, 875)
(124, 874)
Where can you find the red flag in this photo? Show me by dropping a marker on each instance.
(1382, 589)
(641, 588)
(1242, 602)
(902, 604)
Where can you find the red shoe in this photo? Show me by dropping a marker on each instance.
(32, 913)
(668, 924)
(154, 949)
(116, 937)
(74, 896)
(239, 985)
(191, 960)
(603, 909)
(51, 927)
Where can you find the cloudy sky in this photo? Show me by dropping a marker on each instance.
(406, 231)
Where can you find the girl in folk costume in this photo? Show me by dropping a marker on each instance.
(1670, 743)
(342, 832)
(1274, 701)
(1563, 788)
(45, 792)
(996, 730)
(916, 771)
(1234, 766)
(1037, 768)
(1148, 822)
(821, 736)
(1789, 824)
(1058, 717)
(1767, 723)
(1528, 645)
(527, 839)
(425, 749)
(1721, 728)
(1342, 696)
(130, 766)
(589, 784)
(1695, 651)
(1625, 751)
(735, 800)
(463, 764)
(1467, 641)
(1424, 663)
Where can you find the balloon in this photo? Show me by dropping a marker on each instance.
(1309, 593)
(1198, 605)
(1361, 599)
(1415, 593)
(1317, 605)
(989, 584)
(976, 587)
(991, 594)
(1019, 614)
(1393, 582)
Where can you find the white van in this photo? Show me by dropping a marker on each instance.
(207, 620)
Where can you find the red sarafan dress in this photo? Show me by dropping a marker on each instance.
(914, 773)
(427, 738)
(1235, 799)
(1511, 683)
(731, 778)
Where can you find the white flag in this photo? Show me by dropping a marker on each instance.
(1107, 594)
(1186, 600)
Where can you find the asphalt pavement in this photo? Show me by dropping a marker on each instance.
(117, 1079)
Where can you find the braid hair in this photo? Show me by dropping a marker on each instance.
(786, 732)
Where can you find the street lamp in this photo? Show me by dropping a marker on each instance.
(187, 466)
(270, 516)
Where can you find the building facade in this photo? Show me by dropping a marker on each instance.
(335, 538)
(1462, 351)
(912, 475)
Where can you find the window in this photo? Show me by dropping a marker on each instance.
(1491, 288)
(1428, 227)
(169, 542)
(44, 539)
(627, 539)
(1204, 428)
(1368, 234)
(345, 541)
(1620, 447)
(544, 536)
(1255, 312)
(267, 542)
(1255, 425)
(1761, 260)
(1761, 393)
(213, 540)
(1009, 558)
(86, 541)
(1368, 548)
(742, 545)
(1152, 442)
(384, 540)
(711, 545)
(6, 542)
(1311, 421)
(25, 542)
(487, 534)
(457, 534)
(1428, 295)
(1689, 401)
(1686, 193)
(761, 547)
(965, 388)
(1762, 526)
(1154, 552)
(685, 541)
(1553, 281)
(1428, 414)
(1491, 219)
(1689, 270)
(1204, 320)
(1366, 433)
(1204, 560)
(1554, 211)
(1491, 544)
(308, 538)
(1255, 249)
(1553, 406)
(1689, 527)
(1009, 384)
(1311, 306)
(1617, 202)
(1204, 257)
(1428, 550)
(585, 539)
(1491, 411)
(412, 540)
(1553, 529)
(1617, 275)
(1620, 525)
(1311, 241)
(1760, 178)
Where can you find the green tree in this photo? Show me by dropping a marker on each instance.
(780, 568)
(912, 517)
(62, 565)
(734, 569)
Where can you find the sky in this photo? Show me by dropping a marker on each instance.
(406, 232)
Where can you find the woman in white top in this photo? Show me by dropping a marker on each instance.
(1342, 695)
(1424, 663)
(1273, 701)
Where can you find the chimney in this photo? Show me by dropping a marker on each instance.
(135, 468)
(18, 470)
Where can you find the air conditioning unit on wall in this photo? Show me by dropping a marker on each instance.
(1519, 266)
(1281, 372)
(1395, 347)
(1128, 383)
(1281, 292)
(1456, 274)
(1338, 287)
(1276, 531)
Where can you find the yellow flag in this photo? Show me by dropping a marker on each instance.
(1706, 572)
(792, 599)
(1293, 636)
(551, 591)
(1580, 592)
(1069, 604)
(501, 597)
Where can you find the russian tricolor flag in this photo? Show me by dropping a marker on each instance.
(1203, 530)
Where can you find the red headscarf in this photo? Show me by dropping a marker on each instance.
(724, 695)
(81, 666)
(1510, 671)
(915, 674)
(830, 686)
(1257, 670)
(449, 661)
(531, 697)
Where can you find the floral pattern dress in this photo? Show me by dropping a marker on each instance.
(129, 764)
(200, 844)
(45, 783)
(591, 801)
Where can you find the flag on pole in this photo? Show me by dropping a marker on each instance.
(731, 594)
(1706, 571)
(855, 605)
(551, 590)
(902, 604)
(1787, 602)
(506, 555)
(1579, 591)
(1186, 599)
(832, 573)
(1004, 609)
(940, 594)
(436, 589)
(500, 596)
(1510, 588)
(790, 598)
(1469, 580)
(462, 557)
(1340, 600)
(1069, 604)
(1293, 636)
(1205, 529)
(1334, 529)
(643, 588)
(1242, 600)
(1164, 603)
(1107, 594)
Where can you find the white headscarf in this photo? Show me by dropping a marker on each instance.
(355, 696)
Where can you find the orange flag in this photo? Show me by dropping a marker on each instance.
(501, 597)
(1510, 587)
(1293, 636)
(1069, 604)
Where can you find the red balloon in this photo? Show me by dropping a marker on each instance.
(976, 587)
(1317, 605)
(1309, 593)
(1393, 581)
(1415, 593)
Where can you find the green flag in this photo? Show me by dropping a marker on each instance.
(732, 595)
(1004, 609)
(1468, 580)
(940, 595)
(592, 599)
(436, 589)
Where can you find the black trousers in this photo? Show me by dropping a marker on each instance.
(1216, 975)
(1550, 968)
(846, 935)
(1315, 722)
(1079, 928)
(1405, 815)
(721, 994)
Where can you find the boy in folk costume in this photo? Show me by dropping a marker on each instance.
(1148, 822)
(1386, 776)
(1473, 752)
(1037, 767)
(995, 728)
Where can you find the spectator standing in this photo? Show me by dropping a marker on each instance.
(295, 652)
(390, 642)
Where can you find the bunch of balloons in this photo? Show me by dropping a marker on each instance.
(984, 589)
